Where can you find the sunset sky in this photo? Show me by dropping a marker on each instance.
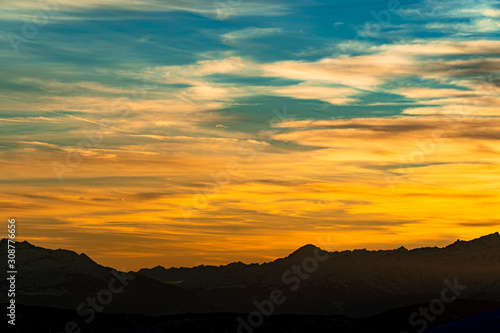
(178, 133)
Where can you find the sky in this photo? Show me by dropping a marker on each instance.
(180, 133)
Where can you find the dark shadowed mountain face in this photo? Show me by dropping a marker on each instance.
(355, 283)
(64, 279)
(478, 318)
(309, 281)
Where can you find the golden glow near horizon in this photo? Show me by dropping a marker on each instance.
(128, 210)
(243, 143)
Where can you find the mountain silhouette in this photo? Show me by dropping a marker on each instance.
(65, 279)
(356, 283)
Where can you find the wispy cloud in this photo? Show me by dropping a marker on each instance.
(239, 36)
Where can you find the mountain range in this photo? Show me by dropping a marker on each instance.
(310, 281)
(355, 283)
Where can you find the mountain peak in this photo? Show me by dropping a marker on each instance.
(5, 240)
(158, 268)
(304, 251)
(483, 241)
(491, 238)
(307, 247)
